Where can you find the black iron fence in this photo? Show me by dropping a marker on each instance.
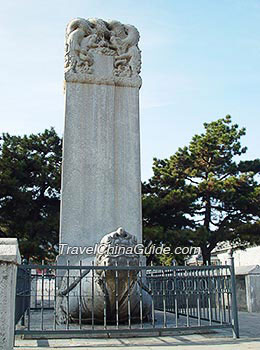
(42, 289)
(202, 293)
(126, 299)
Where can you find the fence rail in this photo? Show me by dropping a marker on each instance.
(128, 299)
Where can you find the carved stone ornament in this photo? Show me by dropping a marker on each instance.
(102, 52)
(78, 289)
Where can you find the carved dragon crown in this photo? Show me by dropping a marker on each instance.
(86, 38)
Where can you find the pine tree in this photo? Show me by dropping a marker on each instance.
(203, 192)
(30, 170)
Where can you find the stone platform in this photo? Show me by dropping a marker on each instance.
(48, 322)
(215, 340)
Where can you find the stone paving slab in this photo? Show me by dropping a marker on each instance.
(172, 343)
(48, 320)
(219, 339)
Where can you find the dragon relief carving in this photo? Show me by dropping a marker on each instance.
(112, 38)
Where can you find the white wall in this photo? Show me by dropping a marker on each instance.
(249, 256)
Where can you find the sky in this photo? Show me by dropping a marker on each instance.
(200, 62)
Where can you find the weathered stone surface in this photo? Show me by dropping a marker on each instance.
(9, 258)
(101, 183)
(9, 250)
(89, 40)
(83, 292)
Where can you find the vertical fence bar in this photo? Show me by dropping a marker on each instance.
(233, 297)
(117, 296)
(223, 294)
(228, 274)
(209, 298)
(49, 291)
(152, 295)
(192, 295)
(36, 290)
(42, 298)
(176, 299)
(105, 298)
(141, 294)
(164, 300)
(128, 297)
(215, 294)
(55, 299)
(68, 302)
(198, 298)
(29, 271)
(80, 295)
(186, 293)
(92, 295)
(219, 297)
(202, 293)
(206, 292)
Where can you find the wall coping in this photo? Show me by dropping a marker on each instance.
(9, 251)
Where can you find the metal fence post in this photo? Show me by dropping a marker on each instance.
(235, 325)
(24, 262)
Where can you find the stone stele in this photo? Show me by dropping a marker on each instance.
(101, 183)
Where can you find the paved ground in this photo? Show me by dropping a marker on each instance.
(222, 339)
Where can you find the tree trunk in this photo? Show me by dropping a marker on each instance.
(206, 255)
(149, 259)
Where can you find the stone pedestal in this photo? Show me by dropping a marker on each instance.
(101, 182)
(9, 258)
